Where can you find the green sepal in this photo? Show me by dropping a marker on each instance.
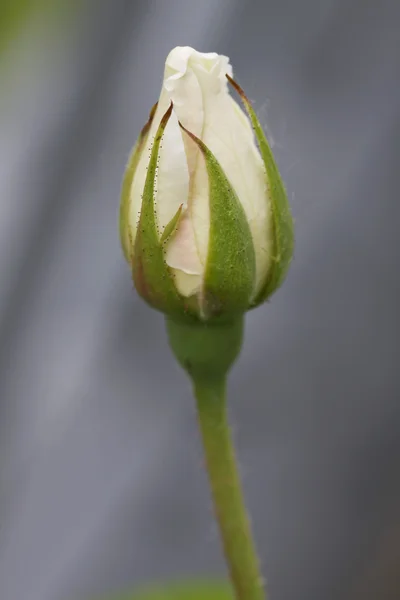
(230, 268)
(125, 232)
(151, 275)
(282, 221)
(172, 226)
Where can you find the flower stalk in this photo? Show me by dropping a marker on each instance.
(229, 506)
(207, 352)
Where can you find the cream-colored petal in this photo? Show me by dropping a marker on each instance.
(181, 255)
(199, 205)
(186, 96)
(181, 250)
(172, 182)
(187, 90)
(187, 285)
(228, 134)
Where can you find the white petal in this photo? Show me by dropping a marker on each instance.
(172, 183)
(187, 285)
(185, 89)
(197, 84)
(182, 256)
(181, 251)
(182, 86)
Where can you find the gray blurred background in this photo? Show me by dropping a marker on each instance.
(102, 484)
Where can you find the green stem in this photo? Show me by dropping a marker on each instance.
(226, 490)
(207, 352)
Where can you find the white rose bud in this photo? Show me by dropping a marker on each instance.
(205, 223)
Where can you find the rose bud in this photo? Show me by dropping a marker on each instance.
(205, 222)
